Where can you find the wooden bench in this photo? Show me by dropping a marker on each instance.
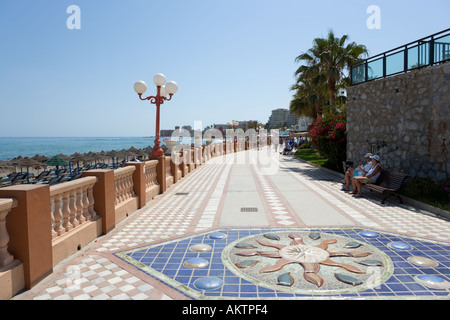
(388, 183)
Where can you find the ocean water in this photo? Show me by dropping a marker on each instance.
(29, 147)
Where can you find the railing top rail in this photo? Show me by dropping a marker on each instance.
(124, 170)
(424, 52)
(151, 163)
(416, 42)
(71, 185)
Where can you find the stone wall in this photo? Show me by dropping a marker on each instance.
(405, 119)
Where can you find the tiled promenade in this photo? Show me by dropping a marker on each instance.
(238, 200)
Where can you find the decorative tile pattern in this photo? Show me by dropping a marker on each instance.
(222, 165)
(164, 262)
(95, 278)
(174, 215)
(281, 214)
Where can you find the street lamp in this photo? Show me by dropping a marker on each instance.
(162, 90)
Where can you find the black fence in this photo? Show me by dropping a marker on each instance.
(427, 51)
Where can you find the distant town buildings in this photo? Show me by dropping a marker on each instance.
(279, 118)
(282, 118)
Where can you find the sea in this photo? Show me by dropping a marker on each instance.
(11, 147)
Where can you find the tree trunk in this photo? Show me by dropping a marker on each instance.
(331, 91)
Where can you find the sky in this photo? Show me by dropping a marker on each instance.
(232, 60)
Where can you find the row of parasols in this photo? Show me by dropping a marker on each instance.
(61, 160)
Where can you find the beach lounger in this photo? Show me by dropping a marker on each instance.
(52, 181)
(19, 179)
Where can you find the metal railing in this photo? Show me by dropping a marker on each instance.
(424, 52)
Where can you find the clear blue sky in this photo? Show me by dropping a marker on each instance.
(232, 60)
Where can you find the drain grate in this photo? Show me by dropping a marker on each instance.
(249, 209)
(181, 193)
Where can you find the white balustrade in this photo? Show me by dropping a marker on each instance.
(151, 174)
(72, 204)
(123, 179)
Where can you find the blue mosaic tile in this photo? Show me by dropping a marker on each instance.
(400, 245)
(196, 263)
(430, 278)
(208, 283)
(217, 236)
(369, 234)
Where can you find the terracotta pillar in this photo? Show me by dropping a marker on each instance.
(161, 172)
(174, 169)
(139, 182)
(104, 195)
(29, 227)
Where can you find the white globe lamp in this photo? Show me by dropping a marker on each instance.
(159, 79)
(171, 87)
(140, 87)
(163, 91)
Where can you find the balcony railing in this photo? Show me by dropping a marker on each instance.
(424, 52)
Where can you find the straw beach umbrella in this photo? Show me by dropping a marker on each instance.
(29, 162)
(15, 162)
(76, 157)
(56, 161)
(40, 158)
(114, 154)
(4, 164)
(126, 153)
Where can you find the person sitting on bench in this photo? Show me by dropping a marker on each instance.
(360, 170)
(288, 147)
(370, 177)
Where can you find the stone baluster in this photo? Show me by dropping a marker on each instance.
(86, 213)
(5, 207)
(122, 188)
(131, 184)
(66, 212)
(79, 195)
(72, 209)
(57, 216)
(116, 183)
(91, 199)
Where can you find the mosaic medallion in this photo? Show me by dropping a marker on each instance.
(296, 263)
(300, 262)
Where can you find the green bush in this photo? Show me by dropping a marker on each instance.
(428, 191)
(329, 136)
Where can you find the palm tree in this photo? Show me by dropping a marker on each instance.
(310, 93)
(333, 57)
(254, 124)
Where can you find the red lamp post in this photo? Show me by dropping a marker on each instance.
(162, 90)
